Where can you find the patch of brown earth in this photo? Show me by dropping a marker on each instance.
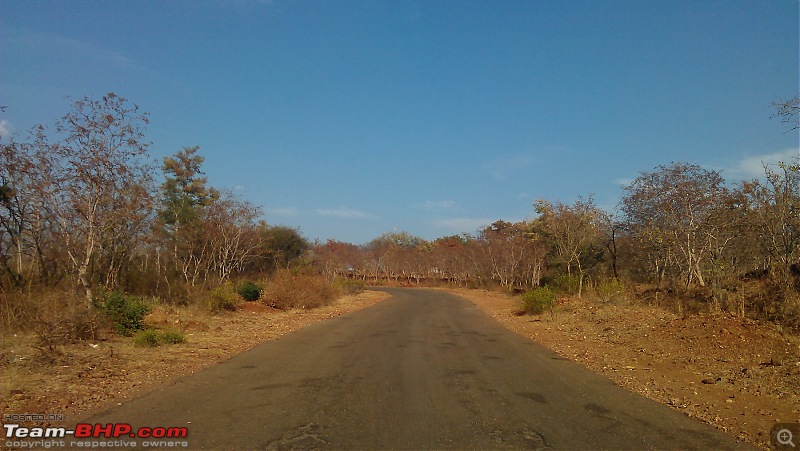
(736, 374)
(77, 380)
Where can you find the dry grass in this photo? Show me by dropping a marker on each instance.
(92, 375)
(290, 289)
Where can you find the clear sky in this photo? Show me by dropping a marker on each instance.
(350, 119)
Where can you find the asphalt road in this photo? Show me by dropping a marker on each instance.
(421, 370)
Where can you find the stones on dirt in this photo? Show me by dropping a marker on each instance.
(714, 380)
(771, 362)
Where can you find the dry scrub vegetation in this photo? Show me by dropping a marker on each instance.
(737, 374)
(78, 376)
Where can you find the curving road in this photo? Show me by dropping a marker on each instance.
(421, 370)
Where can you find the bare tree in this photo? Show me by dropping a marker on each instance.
(103, 176)
(339, 259)
(16, 202)
(515, 258)
(230, 228)
(788, 111)
(775, 207)
(670, 210)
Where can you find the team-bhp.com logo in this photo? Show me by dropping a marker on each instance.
(88, 431)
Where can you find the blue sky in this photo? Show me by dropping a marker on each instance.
(349, 119)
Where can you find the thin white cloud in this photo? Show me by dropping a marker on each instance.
(343, 213)
(283, 211)
(51, 44)
(753, 167)
(746, 168)
(6, 129)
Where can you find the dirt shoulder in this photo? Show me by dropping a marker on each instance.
(84, 378)
(736, 374)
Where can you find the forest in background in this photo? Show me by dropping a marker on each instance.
(83, 214)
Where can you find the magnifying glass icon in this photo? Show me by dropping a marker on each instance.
(785, 437)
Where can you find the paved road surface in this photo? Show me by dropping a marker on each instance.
(421, 370)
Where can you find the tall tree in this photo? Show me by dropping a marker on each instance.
(670, 210)
(281, 245)
(27, 183)
(775, 206)
(185, 197)
(104, 175)
(229, 227)
(16, 205)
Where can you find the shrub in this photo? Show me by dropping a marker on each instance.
(289, 289)
(566, 284)
(349, 286)
(171, 337)
(146, 338)
(610, 290)
(222, 298)
(538, 300)
(125, 312)
(249, 291)
(73, 325)
(177, 293)
(151, 338)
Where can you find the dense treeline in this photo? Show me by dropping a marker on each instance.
(82, 208)
(679, 228)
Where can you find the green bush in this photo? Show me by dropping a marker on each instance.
(171, 337)
(610, 290)
(151, 338)
(221, 299)
(125, 312)
(566, 284)
(249, 291)
(538, 300)
(146, 338)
